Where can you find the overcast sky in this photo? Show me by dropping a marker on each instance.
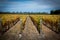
(29, 5)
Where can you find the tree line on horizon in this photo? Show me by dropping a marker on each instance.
(51, 12)
(55, 12)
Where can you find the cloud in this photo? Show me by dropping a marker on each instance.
(29, 5)
(52, 3)
(24, 6)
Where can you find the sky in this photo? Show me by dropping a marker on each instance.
(29, 5)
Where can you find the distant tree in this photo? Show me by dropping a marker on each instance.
(51, 12)
(55, 12)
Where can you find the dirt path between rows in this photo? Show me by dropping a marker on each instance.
(50, 35)
(30, 32)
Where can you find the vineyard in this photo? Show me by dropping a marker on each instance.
(51, 21)
(9, 20)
